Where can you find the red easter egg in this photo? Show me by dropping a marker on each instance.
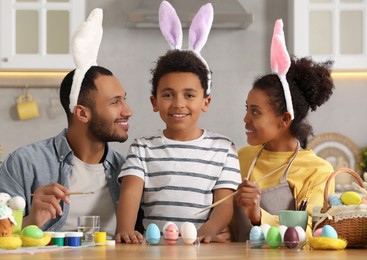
(291, 239)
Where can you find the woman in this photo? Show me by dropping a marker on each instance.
(276, 170)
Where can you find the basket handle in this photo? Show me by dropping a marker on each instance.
(332, 176)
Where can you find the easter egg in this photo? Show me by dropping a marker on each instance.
(16, 203)
(350, 198)
(291, 239)
(317, 232)
(257, 238)
(334, 200)
(265, 228)
(153, 234)
(188, 233)
(282, 230)
(273, 238)
(301, 234)
(170, 234)
(32, 231)
(329, 231)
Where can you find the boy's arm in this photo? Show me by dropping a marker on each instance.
(127, 210)
(219, 218)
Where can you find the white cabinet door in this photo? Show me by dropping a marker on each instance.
(36, 34)
(330, 29)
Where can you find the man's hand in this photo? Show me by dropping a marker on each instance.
(46, 204)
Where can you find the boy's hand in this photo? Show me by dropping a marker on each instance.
(207, 233)
(129, 237)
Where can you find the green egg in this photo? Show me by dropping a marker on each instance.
(32, 231)
(274, 238)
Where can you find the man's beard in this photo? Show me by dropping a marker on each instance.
(102, 130)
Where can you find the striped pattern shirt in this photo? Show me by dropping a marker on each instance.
(180, 177)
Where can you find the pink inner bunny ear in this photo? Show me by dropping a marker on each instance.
(170, 25)
(200, 27)
(279, 57)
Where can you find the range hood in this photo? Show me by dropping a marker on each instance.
(228, 14)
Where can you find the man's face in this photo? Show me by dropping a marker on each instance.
(110, 115)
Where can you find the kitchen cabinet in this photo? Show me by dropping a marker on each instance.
(330, 29)
(36, 34)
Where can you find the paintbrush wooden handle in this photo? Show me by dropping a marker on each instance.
(217, 203)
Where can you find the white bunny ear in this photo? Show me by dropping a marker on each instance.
(200, 27)
(170, 25)
(84, 46)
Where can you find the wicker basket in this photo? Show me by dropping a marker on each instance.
(351, 228)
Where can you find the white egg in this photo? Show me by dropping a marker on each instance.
(16, 202)
(282, 230)
(188, 232)
(301, 234)
(4, 198)
(265, 228)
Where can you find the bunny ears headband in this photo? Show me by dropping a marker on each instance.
(280, 62)
(201, 24)
(84, 46)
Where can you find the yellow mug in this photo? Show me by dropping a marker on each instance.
(27, 108)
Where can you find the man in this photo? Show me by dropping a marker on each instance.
(77, 160)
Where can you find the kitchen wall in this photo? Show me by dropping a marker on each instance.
(236, 57)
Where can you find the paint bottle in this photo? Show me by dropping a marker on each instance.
(73, 238)
(58, 238)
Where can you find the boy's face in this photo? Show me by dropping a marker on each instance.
(180, 100)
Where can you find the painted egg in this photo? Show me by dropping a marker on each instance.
(363, 201)
(301, 234)
(329, 231)
(350, 198)
(282, 230)
(170, 234)
(153, 234)
(16, 203)
(257, 238)
(265, 228)
(317, 232)
(32, 231)
(273, 238)
(334, 200)
(188, 233)
(291, 239)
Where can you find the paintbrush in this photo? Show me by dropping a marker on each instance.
(77, 193)
(304, 202)
(234, 193)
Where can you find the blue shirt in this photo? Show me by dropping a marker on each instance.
(46, 162)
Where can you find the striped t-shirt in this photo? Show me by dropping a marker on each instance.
(180, 176)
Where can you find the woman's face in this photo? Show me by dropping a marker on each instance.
(261, 123)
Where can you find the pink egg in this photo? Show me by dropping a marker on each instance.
(317, 232)
(364, 201)
(170, 234)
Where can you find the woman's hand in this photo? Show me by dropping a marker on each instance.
(248, 196)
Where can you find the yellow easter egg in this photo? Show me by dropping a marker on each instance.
(29, 241)
(10, 243)
(350, 198)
